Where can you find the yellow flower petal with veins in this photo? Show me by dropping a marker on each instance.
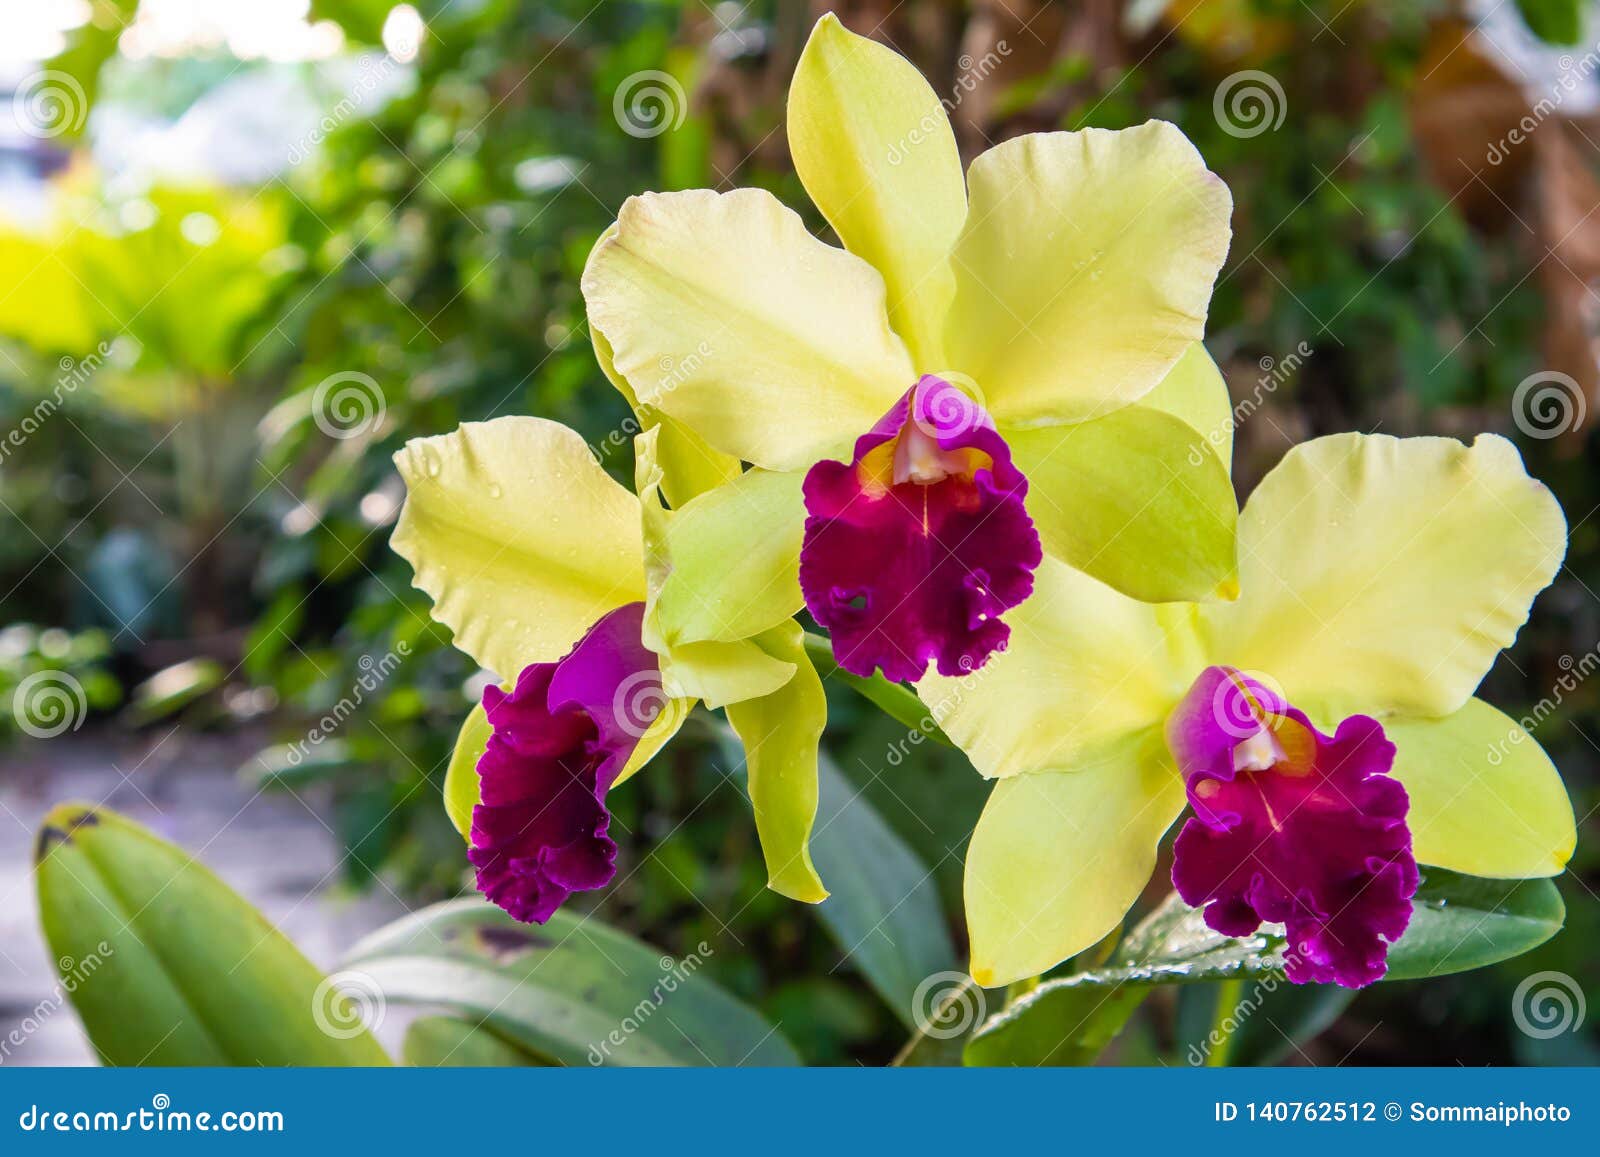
(1084, 270)
(1485, 798)
(723, 311)
(519, 536)
(1059, 857)
(1383, 575)
(874, 148)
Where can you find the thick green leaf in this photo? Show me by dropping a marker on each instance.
(1063, 1022)
(884, 910)
(1274, 1023)
(1458, 923)
(1461, 922)
(168, 966)
(572, 991)
(436, 1042)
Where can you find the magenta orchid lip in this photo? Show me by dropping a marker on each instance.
(915, 548)
(561, 737)
(1292, 827)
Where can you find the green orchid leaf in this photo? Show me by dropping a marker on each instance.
(572, 992)
(452, 1042)
(884, 910)
(1063, 1022)
(1273, 1021)
(167, 965)
(1458, 923)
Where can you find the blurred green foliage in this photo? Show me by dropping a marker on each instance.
(193, 514)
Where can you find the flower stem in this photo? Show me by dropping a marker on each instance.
(893, 699)
(1221, 1035)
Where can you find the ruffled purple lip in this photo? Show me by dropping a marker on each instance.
(916, 546)
(561, 737)
(1292, 827)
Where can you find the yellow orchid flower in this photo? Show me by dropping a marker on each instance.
(1380, 578)
(557, 580)
(996, 366)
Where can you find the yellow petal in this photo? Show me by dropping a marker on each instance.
(1195, 391)
(723, 311)
(1059, 857)
(519, 536)
(735, 558)
(1383, 575)
(716, 672)
(688, 465)
(461, 786)
(1085, 666)
(1137, 499)
(662, 728)
(874, 148)
(780, 733)
(1085, 269)
(1485, 798)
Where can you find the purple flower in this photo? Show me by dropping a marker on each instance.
(1292, 827)
(915, 547)
(561, 737)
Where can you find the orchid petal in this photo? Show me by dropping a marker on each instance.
(1085, 269)
(663, 727)
(519, 536)
(735, 554)
(1195, 392)
(1059, 857)
(461, 793)
(1138, 500)
(717, 672)
(723, 311)
(780, 733)
(874, 148)
(1485, 798)
(1383, 575)
(1085, 666)
(689, 466)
